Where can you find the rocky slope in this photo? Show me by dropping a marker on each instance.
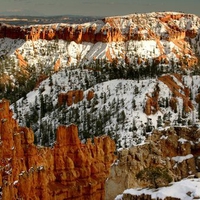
(124, 109)
(80, 56)
(68, 170)
(177, 149)
(166, 38)
(116, 76)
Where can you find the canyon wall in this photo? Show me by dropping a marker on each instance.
(68, 170)
(177, 149)
(177, 28)
(110, 29)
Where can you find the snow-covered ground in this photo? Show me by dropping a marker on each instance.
(186, 189)
(112, 98)
(115, 99)
(71, 53)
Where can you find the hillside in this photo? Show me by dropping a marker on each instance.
(117, 108)
(141, 72)
(169, 160)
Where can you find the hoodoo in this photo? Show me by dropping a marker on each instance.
(69, 170)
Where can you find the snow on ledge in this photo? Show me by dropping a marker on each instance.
(182, 140)
(180, 159)
(186, 189)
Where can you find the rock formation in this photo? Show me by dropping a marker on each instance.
(152, 106)
(90, 95)
(22, 62)
(72, 96)
(69, 170)
(105, 30)
(177, 28)
(177, 92)
(177, 149)
(57, 65)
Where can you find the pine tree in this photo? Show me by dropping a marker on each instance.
(149, 125)
(104, 98)
(136, 90)
(45, 139)
(134, 125)
(179, 118)
(199, 110)
(50, 81)
(156, 176)
(159, 121)
(42, 106)
(166, 102)
(133, 104)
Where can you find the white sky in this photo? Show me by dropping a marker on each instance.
(95, 7)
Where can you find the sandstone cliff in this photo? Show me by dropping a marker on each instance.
(109, 29)
(173, 39)
(177, 149)
(69, 170)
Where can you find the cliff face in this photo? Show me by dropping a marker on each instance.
(166, 38)
(177, 149)
(69, 170)
(110, 29)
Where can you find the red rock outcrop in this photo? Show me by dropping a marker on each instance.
(108, 55)
(22, 62)
(152, 106)
(173, 102)
(172, 81)
(191, 33)
(118, 29)
(57, 65)
(110, 30)
(90, 95)
(177, 91)
(72, 96)
(69, 170)
(197, 98)
(167, 17)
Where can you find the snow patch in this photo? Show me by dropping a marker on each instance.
(186, 189)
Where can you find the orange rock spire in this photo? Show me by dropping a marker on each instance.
(69, 170)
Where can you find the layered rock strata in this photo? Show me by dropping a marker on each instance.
(69, 170)
(171, 32)
(109, 29)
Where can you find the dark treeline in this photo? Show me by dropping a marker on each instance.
(25, 81)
